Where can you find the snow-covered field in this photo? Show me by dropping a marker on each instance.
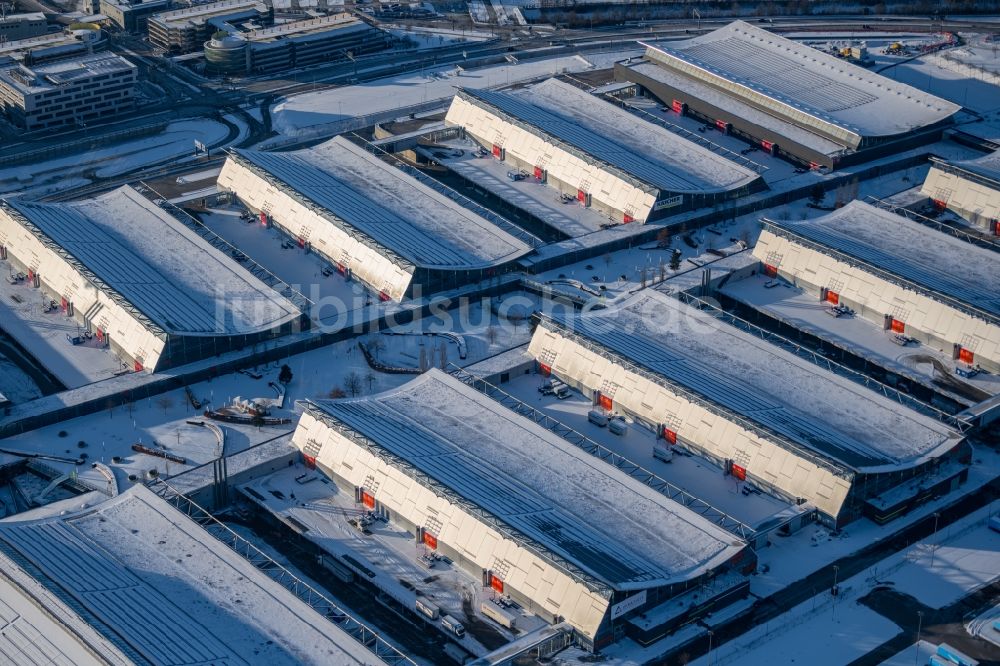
(298, 114)
(174, 144)
(945, 567)
(824, 631)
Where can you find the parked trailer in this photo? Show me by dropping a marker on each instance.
(501, 616)
(336, 568)
(995, 523)
(427, 609)
(954, 656)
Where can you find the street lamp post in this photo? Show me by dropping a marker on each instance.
(710, 634)
(933, 547)
(916, 646)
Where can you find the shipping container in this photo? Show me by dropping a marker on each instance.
(427, 609)
(599, 419)
(954, 656)
(501, 616)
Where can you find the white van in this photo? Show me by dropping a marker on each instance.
(453, 625)
(599, 419)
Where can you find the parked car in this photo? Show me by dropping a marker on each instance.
(515, 175)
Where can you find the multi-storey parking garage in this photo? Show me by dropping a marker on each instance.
(969, 188)
(907, 277)
(139, 280)
(371, 220)
(787, 97)
(597, 153)
(564, 534)
(763, 414)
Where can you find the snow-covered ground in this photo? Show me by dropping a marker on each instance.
(806, 312)
(918, 653)
(44, 335)
(536, 198)
(927, 74)
(391, 552)
(791, 558)
(824, 631)
(946, 566)
(296, 115)
(174, 144)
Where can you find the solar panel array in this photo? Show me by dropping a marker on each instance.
(139, 614)
(403, 236)
(598, 147)
(674, 363)
(149, 291)
(525, 509)
(984, 295)
(782, 75)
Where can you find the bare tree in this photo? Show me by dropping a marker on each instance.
(662, 271)
(423, 359)
(663, 238)
(642, 276)
(352, 384)
(443, 355)
(370, 378)
(376, 345)
(165, 402)
(336, 392)
(492, 334)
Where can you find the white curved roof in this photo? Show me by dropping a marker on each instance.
(357, 189)
(598, 128)
(806, 80)
(573, 505)
(138, 252)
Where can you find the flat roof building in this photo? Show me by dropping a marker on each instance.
(132, 16)
(157, 304)
(902, 275)
(186, 30)
(388, 229)
(332, 38)
(133, 580)
(563, 533)
(74, 91)
(794, 99)
(22, 26)
(83, 39)
(969, 188)
(598, 153)
(761, 413)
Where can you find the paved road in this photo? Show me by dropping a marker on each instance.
(771, 607)
(945, 625)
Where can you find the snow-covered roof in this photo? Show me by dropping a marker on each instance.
(608, 134)
(40, 629)
(738, 108)
(163, 590)
(54, 75)
(198, 15)
(136, 251)
(798, 404)
(357, 189)
(559, 500)
(987, 166)
(947, 268)
(803, 83)
(321, 27)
